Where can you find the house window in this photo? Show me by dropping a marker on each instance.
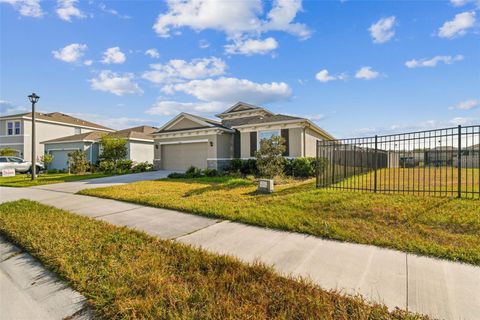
(17, 127)
(78, 130)
(13, 128)
(267, 134)
(9, 128)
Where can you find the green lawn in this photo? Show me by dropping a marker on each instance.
(126, 274)
(440, 227)
(24, 180)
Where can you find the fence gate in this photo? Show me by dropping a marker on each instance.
(444, 162)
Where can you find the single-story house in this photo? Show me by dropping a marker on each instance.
(139, 145)
(470, 157)
(189, 140)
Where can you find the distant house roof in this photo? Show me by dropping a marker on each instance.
(259, 120)
(203, 123)
(88, 136)
(59, 117)
(139, 133)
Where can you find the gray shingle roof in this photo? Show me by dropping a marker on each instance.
(259, 120)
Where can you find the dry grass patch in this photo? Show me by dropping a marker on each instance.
(441, 227)
(127, 274)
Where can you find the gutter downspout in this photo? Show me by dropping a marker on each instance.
(304, 150)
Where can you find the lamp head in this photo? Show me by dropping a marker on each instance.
(33, 98)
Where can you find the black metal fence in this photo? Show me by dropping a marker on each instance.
(443, 162)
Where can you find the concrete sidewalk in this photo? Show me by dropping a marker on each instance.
(442, 289)
(28, 291)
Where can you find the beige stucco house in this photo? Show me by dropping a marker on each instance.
(189, 140)
(16, 130)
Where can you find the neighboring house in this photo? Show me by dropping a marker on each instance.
(470, 157)
(189, 140)
(440, 156)
(15, 130)
(139, 145)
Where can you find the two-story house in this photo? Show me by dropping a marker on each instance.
(16, 130)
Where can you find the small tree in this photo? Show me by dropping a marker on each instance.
(47, 158)
(113, 149)
(78, 162)
(9, 152)
(269, 157)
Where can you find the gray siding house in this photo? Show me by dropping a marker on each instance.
(189, 140)
(15, 130)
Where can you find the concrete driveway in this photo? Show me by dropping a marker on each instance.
(73, 187)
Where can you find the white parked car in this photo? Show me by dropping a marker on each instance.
(20, 165)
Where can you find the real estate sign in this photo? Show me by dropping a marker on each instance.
(8, 173)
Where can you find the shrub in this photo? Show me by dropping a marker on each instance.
(8, 152)
(177, 175)
(142, 167)
(78, 162)
(211, 172)
(107, 166)
(47, 158)
(193, 172)
(113, 149)
(124, 165)
(302, 167)
(245, 167)
(270, 157)
(53, 171)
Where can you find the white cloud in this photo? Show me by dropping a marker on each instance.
(7, 108)
(367, 73)
(113, 12)
(169, 108)
(464, 121)
(231, 90)
(382, 30)
(153, 53)
(176, 70)
(113, 55)
(70, 53)
(66, 10)
(26, 8)
(251, 46)
(235, 18)
(118, 84)
(325, 76)
(88, 62)
(433, 61)
(203, 44)
(467, 105)
(461, 3)
(458, 26)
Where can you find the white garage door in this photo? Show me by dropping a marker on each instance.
(60, 159)
(183, 156)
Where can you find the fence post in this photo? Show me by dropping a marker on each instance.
(459, 161)
(375, 164)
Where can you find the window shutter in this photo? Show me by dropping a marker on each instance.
(236, 144)
(284, 134)
(253, 143)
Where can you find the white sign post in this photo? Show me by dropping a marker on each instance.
(8, 173)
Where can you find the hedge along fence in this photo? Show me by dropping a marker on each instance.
(304, 167)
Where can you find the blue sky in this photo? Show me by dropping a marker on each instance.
(353, 67)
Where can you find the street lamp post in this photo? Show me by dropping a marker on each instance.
(33, 99)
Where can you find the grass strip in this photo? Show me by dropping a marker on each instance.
(24, 180)
(126, 274)
(440, 227)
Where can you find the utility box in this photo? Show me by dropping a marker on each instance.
(265, 185)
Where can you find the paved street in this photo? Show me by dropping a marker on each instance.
(436, 287)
